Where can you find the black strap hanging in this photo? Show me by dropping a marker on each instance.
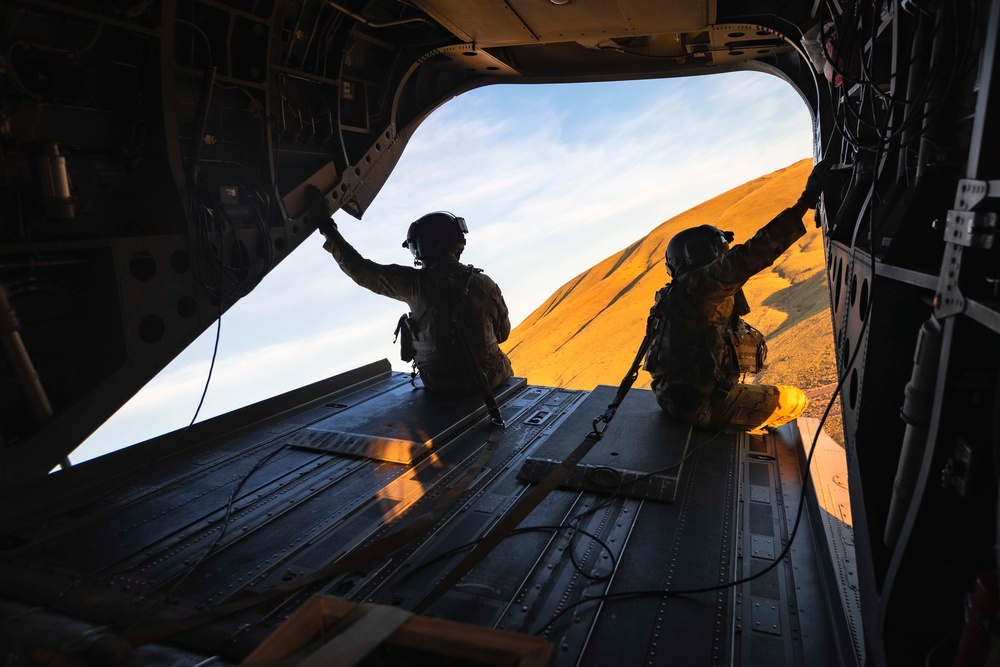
(470, 355)
(652, 322)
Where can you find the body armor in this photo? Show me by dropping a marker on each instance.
(701, 345)
(432, 294)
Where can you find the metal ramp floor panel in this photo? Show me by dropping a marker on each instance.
(610, 575)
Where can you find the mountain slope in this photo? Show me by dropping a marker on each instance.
(588, 331)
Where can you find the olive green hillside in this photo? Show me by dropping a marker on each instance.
(587, 332)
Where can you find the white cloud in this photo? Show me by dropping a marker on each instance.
(238, 379)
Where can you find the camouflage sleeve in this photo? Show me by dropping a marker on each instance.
(501, 322)
(723, 277)
(391, 280)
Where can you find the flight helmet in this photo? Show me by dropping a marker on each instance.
(696, 247)
(434, 235)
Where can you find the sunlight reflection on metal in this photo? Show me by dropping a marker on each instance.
(829, 487)
(829, 466)
(397, 496)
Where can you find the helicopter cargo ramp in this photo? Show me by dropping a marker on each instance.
(664, 545)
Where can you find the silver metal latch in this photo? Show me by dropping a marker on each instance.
(966, 227)
(971, 229)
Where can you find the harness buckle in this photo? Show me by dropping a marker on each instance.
(606, 419)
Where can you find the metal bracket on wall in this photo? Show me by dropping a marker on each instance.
(971, 192)
(971, 229)
(469, 58)
(949, 299)
(355, 191)
(964, 229)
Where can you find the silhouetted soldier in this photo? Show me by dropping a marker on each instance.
(452, 305)
(701, 345)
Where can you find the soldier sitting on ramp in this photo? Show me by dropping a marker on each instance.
(452, 305)
(701, 345)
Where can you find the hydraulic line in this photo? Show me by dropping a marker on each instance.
(17, 354)
(919, 66)
(917, 408)
(207, 83)
(362, 20)
(927, 154)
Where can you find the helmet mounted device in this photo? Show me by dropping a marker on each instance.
(434, 235)
(695, 247)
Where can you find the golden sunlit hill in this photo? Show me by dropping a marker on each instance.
(588, 331)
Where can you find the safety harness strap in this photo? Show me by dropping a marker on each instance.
(652, 322)
(470, 354)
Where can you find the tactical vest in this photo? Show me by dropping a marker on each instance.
(430, 335)
(749, 346)
(691, 346)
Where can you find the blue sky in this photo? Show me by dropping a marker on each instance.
(551, 179)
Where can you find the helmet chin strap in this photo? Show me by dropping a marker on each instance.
(454, 254)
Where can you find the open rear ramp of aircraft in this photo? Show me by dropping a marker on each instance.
(665, 545)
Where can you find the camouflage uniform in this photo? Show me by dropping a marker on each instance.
(432, 294)
(695, 374)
